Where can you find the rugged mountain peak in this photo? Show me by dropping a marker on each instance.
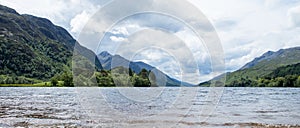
(105, 54)
(7, 10)
(271, 55)
(265, 56)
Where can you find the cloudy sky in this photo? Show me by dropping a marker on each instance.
(246, 30)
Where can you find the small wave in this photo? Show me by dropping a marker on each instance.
(260, 125)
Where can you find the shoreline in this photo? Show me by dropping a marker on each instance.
(49, 86)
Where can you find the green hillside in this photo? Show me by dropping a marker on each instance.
(271, 65)
(33, 49)
(293, 69)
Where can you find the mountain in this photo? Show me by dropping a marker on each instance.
(266, 56)
(270, 61)
(276, 59)
(106, 59)
(293, 69)
(262, 67)
(34, 48)
(109, 62)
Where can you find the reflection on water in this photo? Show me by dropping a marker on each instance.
(110, 107)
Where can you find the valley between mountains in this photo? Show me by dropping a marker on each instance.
(35, 52)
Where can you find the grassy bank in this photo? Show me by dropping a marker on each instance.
(42, 84)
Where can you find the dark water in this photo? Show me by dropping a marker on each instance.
(150, 107)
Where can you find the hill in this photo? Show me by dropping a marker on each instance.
(34, 49)
(265, 67)
(110, 62)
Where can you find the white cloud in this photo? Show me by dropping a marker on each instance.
(121, 30)
(78, 22)
(118, 39)
(294, 16)
(272, 3)
(47, 8)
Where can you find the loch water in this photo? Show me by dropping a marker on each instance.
(149, 107)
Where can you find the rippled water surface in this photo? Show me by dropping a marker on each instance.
(150, 107)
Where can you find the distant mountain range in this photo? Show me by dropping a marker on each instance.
(264, 67)
(109, 62)
(276, 59)
(34, 49)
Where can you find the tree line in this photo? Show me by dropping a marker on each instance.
(286, 76)
(286, 81)
(106, 78)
